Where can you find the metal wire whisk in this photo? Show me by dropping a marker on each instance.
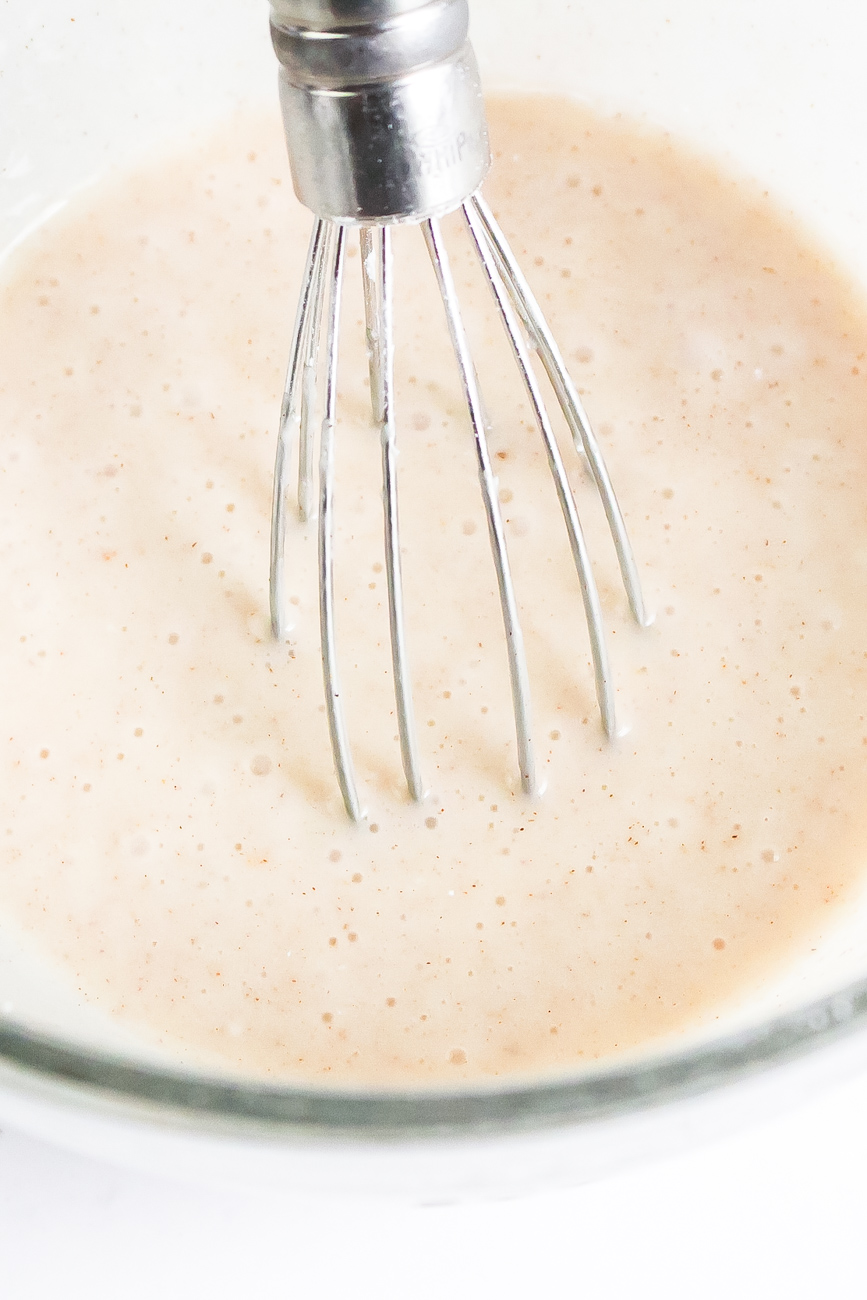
(384, 123)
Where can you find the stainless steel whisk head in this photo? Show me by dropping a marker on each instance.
(384, 122)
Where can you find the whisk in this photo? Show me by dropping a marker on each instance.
(384, 123)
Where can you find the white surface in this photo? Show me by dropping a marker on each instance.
(776, 1211)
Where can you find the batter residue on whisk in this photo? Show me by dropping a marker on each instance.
(171, 828)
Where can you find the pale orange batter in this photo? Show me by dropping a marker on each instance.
(170, 827)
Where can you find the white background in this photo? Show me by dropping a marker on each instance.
(776, 1211)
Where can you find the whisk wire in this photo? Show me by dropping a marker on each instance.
(382, 386)
(372, 284)
(309, 375)
(589, 591)
(514, 636)
(333, 699)
(289, 417)
(517, 308)
(570, 403)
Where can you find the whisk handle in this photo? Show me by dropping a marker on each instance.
(382, 107)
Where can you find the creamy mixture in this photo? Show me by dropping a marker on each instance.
(170, 826)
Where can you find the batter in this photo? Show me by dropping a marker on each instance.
(170, 827)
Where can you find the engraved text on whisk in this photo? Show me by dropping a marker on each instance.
(435, 156)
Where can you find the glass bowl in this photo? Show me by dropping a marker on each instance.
(772, 92)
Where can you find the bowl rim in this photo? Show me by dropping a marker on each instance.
(286, 1110)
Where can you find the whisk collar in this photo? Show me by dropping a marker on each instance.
(382, 107)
